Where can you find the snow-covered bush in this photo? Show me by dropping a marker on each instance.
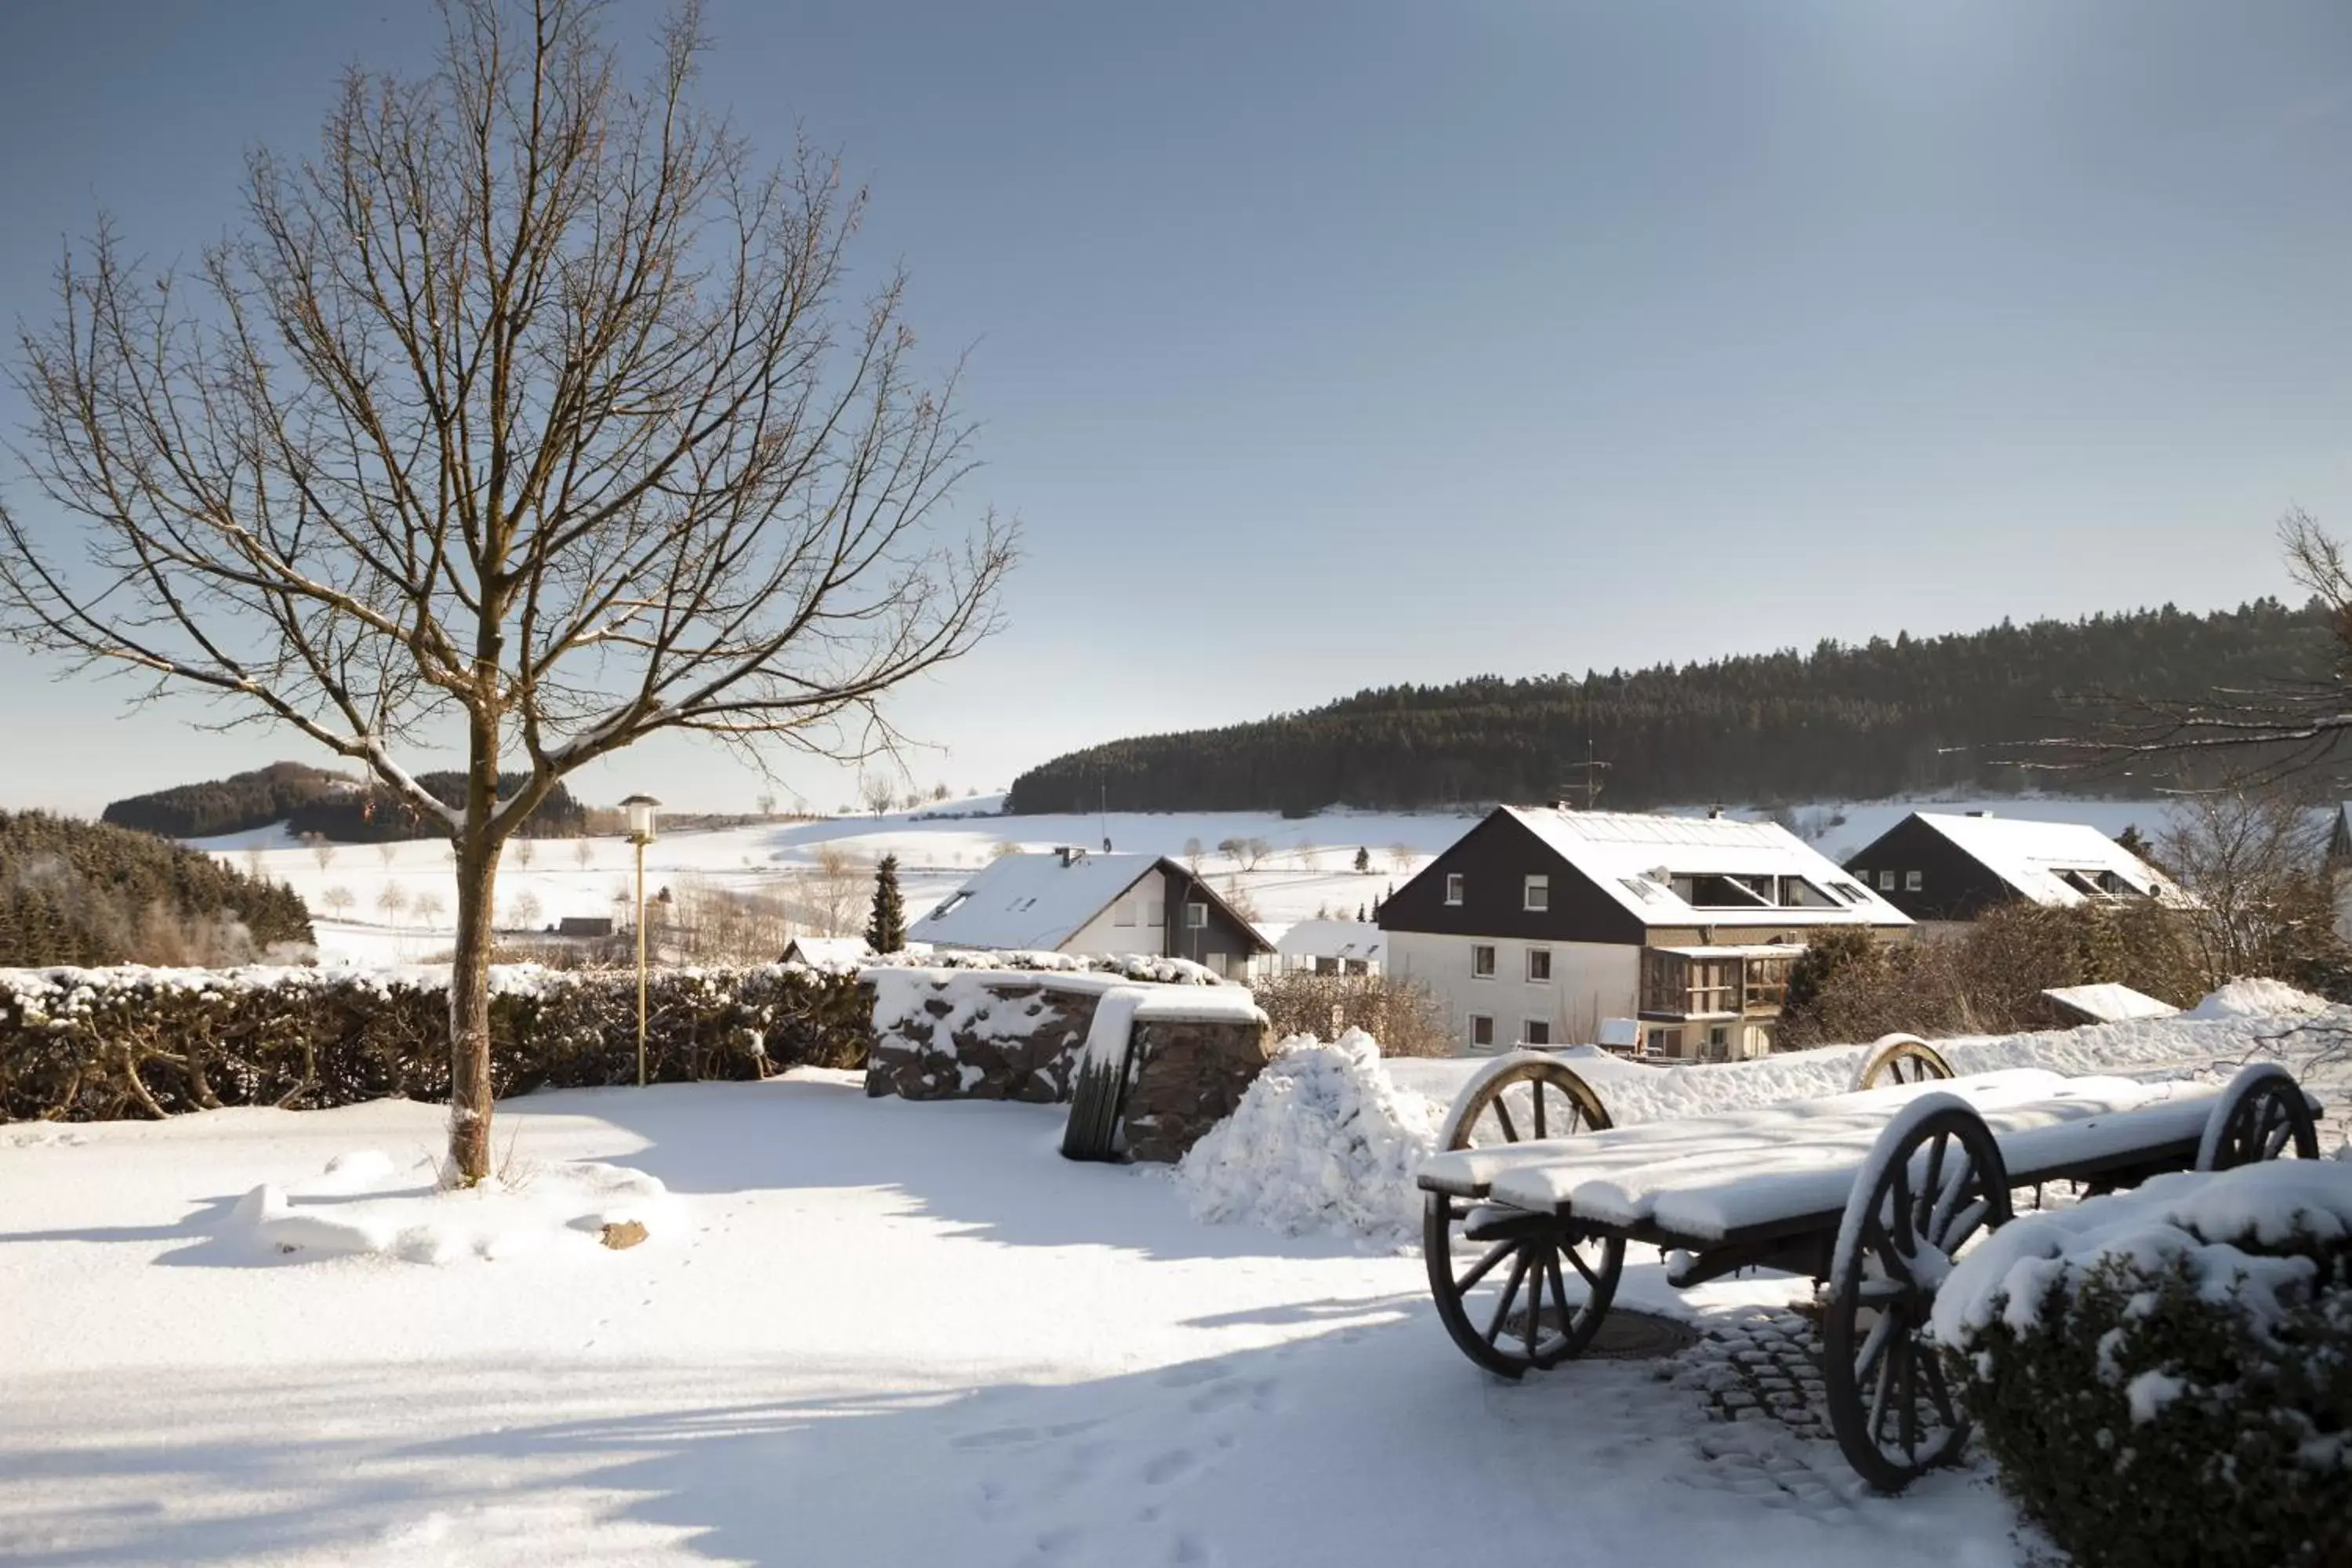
(2165, 1377)
(94, 1044)
(1147, 967)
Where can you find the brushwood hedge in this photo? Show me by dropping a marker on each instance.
(89, 1045)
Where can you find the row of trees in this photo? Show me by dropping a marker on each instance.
(84, 893)
(1841, 721)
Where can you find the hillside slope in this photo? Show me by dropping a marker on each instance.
(88, 893)
(1861, 721)
(313, 800)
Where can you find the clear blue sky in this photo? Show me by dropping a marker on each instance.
(1326, 345)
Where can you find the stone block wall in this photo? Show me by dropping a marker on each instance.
(1186, 1075)
(975, 1035)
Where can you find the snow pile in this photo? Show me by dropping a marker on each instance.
(2195, 1218)
(364, 1205)
(1322, 1142)
(2257, 999)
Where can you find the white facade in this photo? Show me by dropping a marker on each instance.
(1588, 982)
(1135, 921)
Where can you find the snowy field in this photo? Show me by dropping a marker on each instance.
(866, 1331)
(1308, 867)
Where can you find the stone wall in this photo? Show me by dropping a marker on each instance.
(1186, 1075)
(974, 1036)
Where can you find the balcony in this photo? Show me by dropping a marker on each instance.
(1700, 984)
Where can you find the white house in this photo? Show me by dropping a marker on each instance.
(1331, 947)
(1540, 925)
(1076, 900)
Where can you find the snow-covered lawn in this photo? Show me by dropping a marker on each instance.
(863, 1331)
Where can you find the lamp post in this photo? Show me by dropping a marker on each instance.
(641, 809)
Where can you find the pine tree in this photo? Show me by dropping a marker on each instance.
(1363, 861)
(887, 932)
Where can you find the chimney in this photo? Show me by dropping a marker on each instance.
(1071, 854)
(1980, 813)
(1715, 814)
(1563, 806)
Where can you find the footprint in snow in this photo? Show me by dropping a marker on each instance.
(1164, 1467)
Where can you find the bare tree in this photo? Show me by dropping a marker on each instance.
(1400, 858)
(767, 803)
(428, 906)
(257, 866)
(878, 792)
(939, 791)
(530, 408)
(386, 852)
(337, 901)
(1192, 854)
(390, 899)
(583, 853)
(524, 912)
(321, 850)
(1252, 851)
(2251, 859)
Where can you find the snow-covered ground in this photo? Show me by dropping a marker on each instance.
(859, 1332)
(1309, 869)
(863, 1332)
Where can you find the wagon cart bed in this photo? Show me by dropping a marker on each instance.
(1871, 1193)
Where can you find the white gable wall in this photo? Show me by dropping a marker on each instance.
(1125, 924)
(1589, 981)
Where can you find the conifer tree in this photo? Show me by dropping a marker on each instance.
(887, 932)
(1363, 861)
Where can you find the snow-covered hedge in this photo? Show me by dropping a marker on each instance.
(1123, 966)
(95, 1044)
(2165, 1377)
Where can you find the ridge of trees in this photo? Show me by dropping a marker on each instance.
(1845, 721)
(316, 800)
(88, 893)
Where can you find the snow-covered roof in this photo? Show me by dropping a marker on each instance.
(828, 952)
(1032, 900)
(1655, 867)
(1753, 949)
(2109, 1002)
(2035, 857)
(1331, 938)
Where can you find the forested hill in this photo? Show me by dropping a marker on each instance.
(85, 893)
(1878, 719)
(311, 800)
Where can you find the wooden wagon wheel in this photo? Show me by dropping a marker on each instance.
(1935, 1178)
(2258, 1117)
(1518, 1097)
(1900, 1058)
(1517, 1291)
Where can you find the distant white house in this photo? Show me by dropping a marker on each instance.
(1940, 866)
(827, 952)
(1331, 947)
(1546, 926)
(1078, 900)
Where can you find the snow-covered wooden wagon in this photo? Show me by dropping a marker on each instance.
(1871, 1193)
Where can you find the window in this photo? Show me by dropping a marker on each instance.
(1155, 913)
(1196, 916)
(1911, 881)
(1482, 1030)
(955, 901)
(1216, 962)
(1453, 887)
(1886, 881)
(1536, 1032)
(1125, 915)
(1481, 962)
(1538, 966)
(1538, 896)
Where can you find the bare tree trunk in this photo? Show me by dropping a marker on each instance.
(469, 965)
